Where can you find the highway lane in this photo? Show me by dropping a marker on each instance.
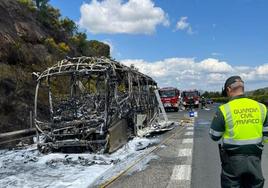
(171, 164)
(188, 159)
(206, 161)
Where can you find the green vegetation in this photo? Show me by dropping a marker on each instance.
(259, 92)
(41, 3)
(28, 3)
(36, 37)
(50, 18)
(18, 55)
(211, 94)
(69, 26)
(6, 71)
(260, 95)
(18, 75)
(63, 47)
(64, 38)
(55, 48)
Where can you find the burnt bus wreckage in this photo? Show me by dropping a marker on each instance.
(93, 104)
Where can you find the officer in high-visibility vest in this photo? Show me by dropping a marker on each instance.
(241, 125)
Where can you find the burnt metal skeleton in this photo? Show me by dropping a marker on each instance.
(93, 104)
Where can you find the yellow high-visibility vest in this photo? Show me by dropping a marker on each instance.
(244, 120)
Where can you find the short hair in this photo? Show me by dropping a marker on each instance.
(236, 85)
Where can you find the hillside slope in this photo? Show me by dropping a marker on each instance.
(32, 39)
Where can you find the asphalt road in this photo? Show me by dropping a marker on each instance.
(206, 162)
(189, 159)
(159, 170)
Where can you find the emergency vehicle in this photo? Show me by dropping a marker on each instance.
(190, 98)
(170, 98)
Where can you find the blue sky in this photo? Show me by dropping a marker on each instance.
(216, 38)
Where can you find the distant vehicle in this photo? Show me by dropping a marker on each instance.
(190, 98)
(170, 98)
(209, 101)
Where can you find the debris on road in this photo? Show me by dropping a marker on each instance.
(187, 122)
(29, 168)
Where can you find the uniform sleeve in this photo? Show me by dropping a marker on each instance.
(217, 126)
(265, 128)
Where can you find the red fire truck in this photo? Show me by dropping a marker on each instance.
(190, 98)
(170, 98)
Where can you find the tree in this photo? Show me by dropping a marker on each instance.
(41, 3)
(49, 17)
(211, 94)
(69, 26)
(259, 92)
(206, 94)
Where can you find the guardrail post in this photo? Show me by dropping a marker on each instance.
(31, 119)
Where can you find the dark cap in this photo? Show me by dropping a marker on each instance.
(231, 80)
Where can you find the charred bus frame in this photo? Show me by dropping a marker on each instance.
(100, 111)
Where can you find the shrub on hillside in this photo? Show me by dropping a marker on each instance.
(97, 48)
(49, 16)
(19, 54)
(28, 3)
(63, 47)
(69, 26)
(15, 73)
(60, 50)
(51, 44)
(6, 71)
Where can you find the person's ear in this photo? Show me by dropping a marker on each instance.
(228, 89)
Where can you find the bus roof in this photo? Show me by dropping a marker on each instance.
(168, 88)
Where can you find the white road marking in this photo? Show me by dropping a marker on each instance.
(190, 128)
(187, 141)
(189, 133)
(185, 152)
(181, 175)
(181, 172)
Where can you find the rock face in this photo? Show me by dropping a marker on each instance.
(26, 45)
(15, 106)
(19, 28)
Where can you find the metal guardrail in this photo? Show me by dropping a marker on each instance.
(16, 135)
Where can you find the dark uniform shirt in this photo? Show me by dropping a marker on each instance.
(218, 125)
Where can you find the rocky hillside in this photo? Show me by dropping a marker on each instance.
(32, 39)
